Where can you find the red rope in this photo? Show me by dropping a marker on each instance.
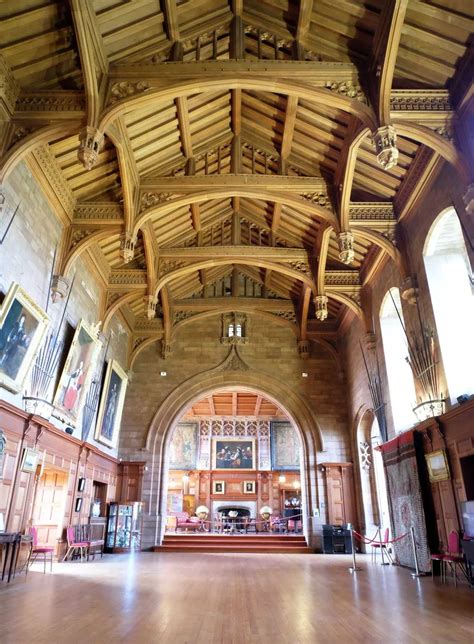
(364, 539)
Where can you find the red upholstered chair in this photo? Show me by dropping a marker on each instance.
(453, 558)
(72, 544)
(40, 550)
(383, 545)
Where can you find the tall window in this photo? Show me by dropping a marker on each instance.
(451, 285)
(400, 377)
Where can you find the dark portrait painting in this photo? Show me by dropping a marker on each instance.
(233, 454)
(111, 404)
(22, 327)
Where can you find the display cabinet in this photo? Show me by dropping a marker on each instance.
(123, 527)
(291, 502)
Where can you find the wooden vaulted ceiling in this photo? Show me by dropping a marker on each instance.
(243, 148)
(235, 403)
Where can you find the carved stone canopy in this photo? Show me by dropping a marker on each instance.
(346, 247)
(90, 142)
(127, 247)
(321, 304)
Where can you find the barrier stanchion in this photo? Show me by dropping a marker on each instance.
(417, 572)
(354, 567)
(382, 548)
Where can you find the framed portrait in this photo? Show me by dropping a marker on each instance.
(77, 373)
(22, 327)
(285, 446)
(438, 468)
(233, 454)
(184, 445)
(218, 487)
(29, 460)
(249, 487)
(111, 404)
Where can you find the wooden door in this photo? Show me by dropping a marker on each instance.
(49, 506)
(335, 492)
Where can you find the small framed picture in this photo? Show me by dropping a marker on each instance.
(218, 487)
(81, 484)
(29, 460)
(249, 487)
(438, 468)
(78, 504)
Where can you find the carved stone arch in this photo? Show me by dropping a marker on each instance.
(252, 192)
(182, 397)
(151, 96)
(332, 352)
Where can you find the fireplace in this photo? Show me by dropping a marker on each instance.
(245, 509)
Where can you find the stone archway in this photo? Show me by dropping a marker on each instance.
(172, 409)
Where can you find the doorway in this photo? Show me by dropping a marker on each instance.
(49, 505)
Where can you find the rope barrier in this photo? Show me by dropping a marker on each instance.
(275, 521)
(364, 539)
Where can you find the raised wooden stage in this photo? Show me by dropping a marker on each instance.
(260, 543)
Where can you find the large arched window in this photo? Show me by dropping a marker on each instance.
(400, 377)
(451, 285)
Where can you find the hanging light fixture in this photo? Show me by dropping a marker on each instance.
(282, 479)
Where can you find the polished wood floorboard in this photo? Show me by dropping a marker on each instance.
(231, 599)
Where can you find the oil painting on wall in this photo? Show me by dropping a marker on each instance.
(77, 373)
(233, 454)
(22, 327)
(183, 449)
(111, 404)
(285, 446)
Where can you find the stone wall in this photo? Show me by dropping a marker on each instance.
(26, 257)
(271, 353)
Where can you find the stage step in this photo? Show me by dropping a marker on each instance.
(291, 544)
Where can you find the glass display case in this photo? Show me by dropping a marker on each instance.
(123, 527)
(291, 502)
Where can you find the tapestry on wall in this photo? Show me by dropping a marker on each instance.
(285, 446)
(405, 500)
(183, 448)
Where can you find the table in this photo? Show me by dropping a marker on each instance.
(11, 541)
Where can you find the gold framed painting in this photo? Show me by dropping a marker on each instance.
(22, 327)
(438, 468)
(249, 487)
(218, 487)
(77, 373)
(233, 454)
(111, 405)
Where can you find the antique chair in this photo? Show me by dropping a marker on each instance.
(250, 525)
(453, 558)
(93, 534)
(37, 549)
(73, 544)
(383, 545)
(185, 522)
(278, 524)
(295, 525)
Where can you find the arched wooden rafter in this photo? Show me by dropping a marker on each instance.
(43, 135)
(251, 193)
(258, 84)
(115, 306)
(85, 244)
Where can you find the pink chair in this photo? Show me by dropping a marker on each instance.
(72, 544)
(40, 550)
(454, 557)
(383, 545)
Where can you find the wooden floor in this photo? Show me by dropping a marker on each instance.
(232, 599)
